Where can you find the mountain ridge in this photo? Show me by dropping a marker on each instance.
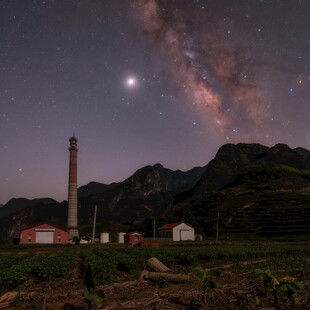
(241, 180)
(122, 201)
(244, 179)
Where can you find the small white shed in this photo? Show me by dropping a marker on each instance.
(177, 232)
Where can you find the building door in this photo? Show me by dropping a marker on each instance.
(45, 236)
(184, 234)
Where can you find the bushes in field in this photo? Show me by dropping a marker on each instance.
(108, 261)
(101, 268)
(52, 266)
(104, 261)
(8, 260)
(41, 267)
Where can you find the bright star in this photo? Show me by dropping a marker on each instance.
(131, 82)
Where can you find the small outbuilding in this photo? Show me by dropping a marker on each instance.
(44, 233)
(85, 239)
(177, 232)
(133, 238)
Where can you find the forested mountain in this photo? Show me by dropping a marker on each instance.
(146, 193)
(254, 189)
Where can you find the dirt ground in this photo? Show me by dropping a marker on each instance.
(237, 291)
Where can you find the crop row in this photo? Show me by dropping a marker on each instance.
(106, 260)
(8, 260)
(41, 267)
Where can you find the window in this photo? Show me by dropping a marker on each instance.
(59, 238)
(29, 237)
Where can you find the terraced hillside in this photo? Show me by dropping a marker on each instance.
(254, 190)
(272, 217)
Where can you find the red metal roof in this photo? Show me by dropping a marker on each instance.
(169, 226)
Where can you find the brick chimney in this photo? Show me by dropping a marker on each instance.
(72, 191)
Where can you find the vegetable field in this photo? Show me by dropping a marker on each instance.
(51, 272)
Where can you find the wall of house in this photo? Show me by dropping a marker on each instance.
(183, 232)
(133, 238)
(29, 235)
(165, 234)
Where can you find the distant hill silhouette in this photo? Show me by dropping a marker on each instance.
(145, 193)
(256, 190)
(93, 188)
(20, 212)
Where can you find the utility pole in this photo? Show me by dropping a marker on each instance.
(217, 226)
(94, 225)
(154, 224)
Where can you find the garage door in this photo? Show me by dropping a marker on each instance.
(46, 236)
(184, 234)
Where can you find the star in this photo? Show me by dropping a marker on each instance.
(131, 82)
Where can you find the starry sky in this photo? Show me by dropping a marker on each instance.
(145, 81)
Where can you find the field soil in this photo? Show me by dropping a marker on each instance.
(237, 291)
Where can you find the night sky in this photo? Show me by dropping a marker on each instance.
(142, 82)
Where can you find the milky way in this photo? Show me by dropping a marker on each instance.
(217, 76)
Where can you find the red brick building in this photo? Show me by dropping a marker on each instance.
(44, 233)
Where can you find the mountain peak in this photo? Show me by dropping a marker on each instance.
(158, 166)
(232, 159)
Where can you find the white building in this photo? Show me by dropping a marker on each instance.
(177, 232)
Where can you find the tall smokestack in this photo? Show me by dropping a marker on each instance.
(72, 191)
